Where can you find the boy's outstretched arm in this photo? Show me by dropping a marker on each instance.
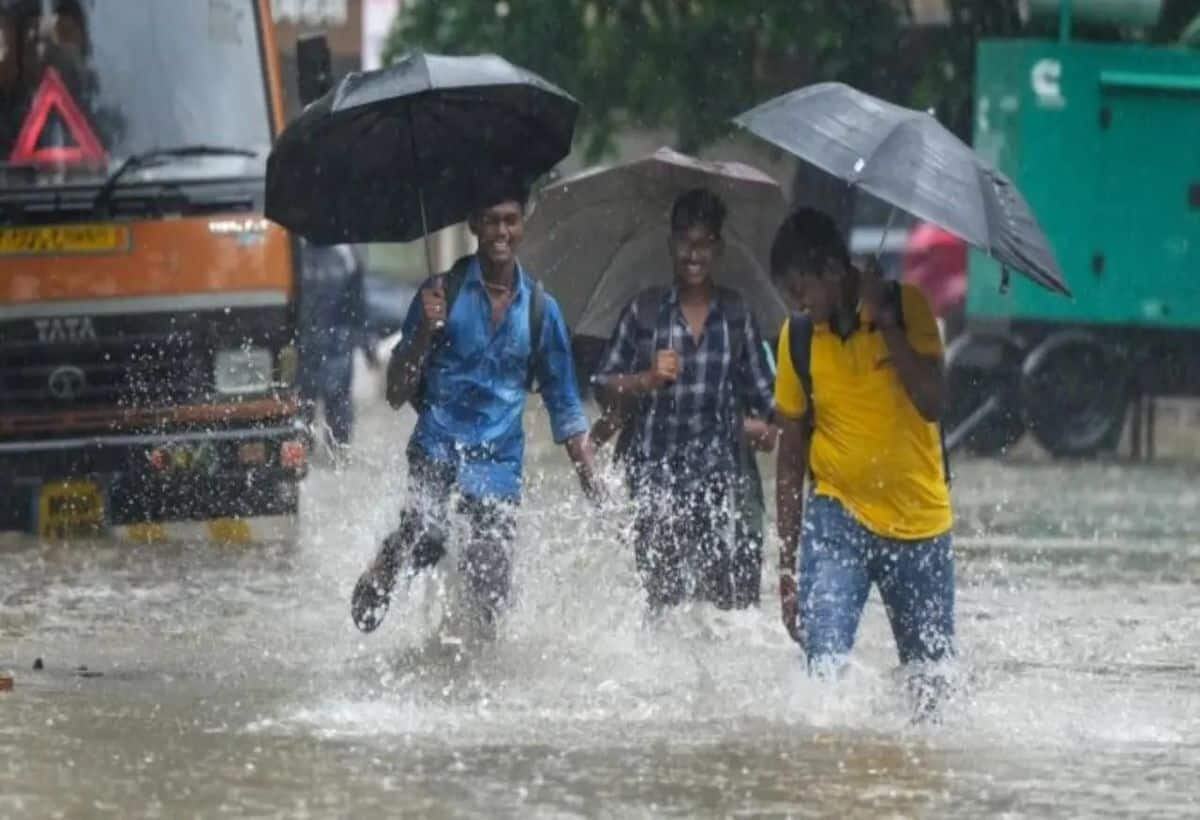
(579, 450)
(789, 499)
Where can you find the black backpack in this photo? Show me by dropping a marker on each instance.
(453, 282)
(648, 303)
(800, 333)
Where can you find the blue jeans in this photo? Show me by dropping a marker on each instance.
(840, 559)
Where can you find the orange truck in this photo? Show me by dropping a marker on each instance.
(146, 306)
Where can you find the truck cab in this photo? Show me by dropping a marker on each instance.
(146, 305)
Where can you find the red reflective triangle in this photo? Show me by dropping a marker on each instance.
(53, 95)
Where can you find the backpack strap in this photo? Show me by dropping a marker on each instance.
(452, 282)
(894, 297)
(800, 334)
(537, 322)
(646, 305)
(453, 279)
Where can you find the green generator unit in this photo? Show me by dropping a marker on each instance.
(1104, 141)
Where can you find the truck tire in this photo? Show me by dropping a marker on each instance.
(978, 368)
(1075, 394)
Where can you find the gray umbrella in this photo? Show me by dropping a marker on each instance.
(908, 159)
(599, 237)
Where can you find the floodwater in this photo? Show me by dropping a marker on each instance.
(228, 680)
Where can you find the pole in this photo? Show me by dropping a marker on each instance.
(412, 135)
(425, 232)
(441, 323)
(1064, 21)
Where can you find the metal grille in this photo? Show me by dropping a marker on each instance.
(122, 371)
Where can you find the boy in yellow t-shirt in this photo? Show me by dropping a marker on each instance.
(860, 419)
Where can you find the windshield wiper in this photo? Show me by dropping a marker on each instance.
(158, 156)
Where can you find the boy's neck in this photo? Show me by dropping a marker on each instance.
(695, 294)
(504, 274)
(845, 315)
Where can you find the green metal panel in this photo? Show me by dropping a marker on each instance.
(1139, 81)
(1129, 13)
(1104, 141)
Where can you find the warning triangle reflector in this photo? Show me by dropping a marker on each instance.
(52, 97)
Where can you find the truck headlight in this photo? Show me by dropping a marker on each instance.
(241, 371)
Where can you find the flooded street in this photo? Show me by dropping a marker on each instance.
(825, 230)
(229, 679)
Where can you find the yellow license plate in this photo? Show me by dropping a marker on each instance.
(52, 239)
(70, 509)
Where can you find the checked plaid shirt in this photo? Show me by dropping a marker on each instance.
(693, 425)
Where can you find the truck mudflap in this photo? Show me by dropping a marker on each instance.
(57, 488)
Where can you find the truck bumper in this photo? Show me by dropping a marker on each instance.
(152, 477)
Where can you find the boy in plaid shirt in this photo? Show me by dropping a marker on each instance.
(687, 374)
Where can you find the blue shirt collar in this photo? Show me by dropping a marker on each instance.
(475, 276)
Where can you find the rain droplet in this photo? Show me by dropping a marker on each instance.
(859, 165)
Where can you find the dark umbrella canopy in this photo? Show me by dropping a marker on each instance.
(908, 159)
(449, 133)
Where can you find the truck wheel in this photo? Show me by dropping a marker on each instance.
(978, 368)
(1074, 394)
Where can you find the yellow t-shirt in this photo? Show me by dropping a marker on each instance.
(871, 450)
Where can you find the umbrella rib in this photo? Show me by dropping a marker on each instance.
(997, 218)
(883, 140)
(979, 191)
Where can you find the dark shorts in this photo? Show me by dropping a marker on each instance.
(425, 524)
(697, 539)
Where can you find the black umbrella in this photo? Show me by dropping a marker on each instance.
(908, 159)
(390, 155)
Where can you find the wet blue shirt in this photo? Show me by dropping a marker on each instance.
(475, 386)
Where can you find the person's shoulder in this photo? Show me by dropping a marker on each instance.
(734, 303)
(648, 298)
(460, 267)
(552, 307)
(642, 305)
(731, 296)
(912, 294)
(919, 321)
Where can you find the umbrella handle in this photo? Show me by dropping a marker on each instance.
(441, 323)
(770, 358)
(886, 228)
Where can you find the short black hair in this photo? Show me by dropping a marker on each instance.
(698, 207)
(501, 190)
(808, 240)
